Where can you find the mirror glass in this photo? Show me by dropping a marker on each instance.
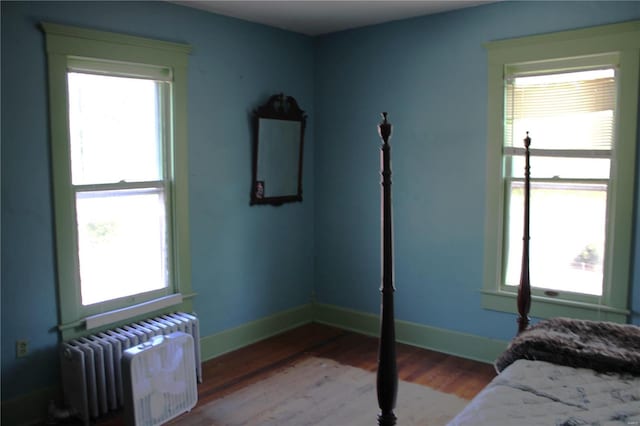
(279, 133)
(278, 154)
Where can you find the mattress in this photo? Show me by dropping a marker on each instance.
(540, 393)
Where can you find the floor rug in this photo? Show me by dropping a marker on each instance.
(322, 392)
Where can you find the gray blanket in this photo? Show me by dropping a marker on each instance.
(601, 346)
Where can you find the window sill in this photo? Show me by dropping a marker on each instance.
(546, 307)
(166, 304)
(106, 318)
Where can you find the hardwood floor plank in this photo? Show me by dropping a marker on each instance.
(241, 368)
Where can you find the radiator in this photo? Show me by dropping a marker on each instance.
(92, 366)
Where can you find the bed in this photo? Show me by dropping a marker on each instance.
(560, 371)
(563, 372)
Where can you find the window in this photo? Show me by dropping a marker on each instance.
(576, 93)
(570, 116)
(118, 120)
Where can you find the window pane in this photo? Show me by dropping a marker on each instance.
(567, 236)
(122, 243)
(115, 129)
(567, 168)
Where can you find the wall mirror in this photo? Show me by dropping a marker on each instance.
(277, 151)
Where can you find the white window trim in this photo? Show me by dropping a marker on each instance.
(618, 40)
(169, 61)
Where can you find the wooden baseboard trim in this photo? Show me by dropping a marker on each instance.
(438, 339)
(254, 331)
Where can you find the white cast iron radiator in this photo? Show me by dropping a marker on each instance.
(92, 366)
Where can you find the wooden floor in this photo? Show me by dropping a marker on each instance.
(236, 370)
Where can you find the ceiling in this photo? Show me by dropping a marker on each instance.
(314, 17)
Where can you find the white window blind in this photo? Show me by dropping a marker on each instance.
(571, 113)
(121, 69)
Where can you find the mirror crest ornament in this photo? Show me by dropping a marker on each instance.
(278, 127)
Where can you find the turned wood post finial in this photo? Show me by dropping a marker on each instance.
(384, 129)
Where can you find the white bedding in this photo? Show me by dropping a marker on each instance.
(540, 393)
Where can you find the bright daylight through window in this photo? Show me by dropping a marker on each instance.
(117, 173)
(570, 118)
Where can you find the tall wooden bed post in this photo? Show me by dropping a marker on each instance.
(524, 289)
(387, 378)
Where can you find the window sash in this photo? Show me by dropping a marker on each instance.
(550, 184)
(128, 70)
(113, 194)
(156, 167)
(548, 165)
(560, 153)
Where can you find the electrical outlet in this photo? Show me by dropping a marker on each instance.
(22, 348)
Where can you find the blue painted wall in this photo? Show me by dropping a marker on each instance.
(247, 262)
(430, 74)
